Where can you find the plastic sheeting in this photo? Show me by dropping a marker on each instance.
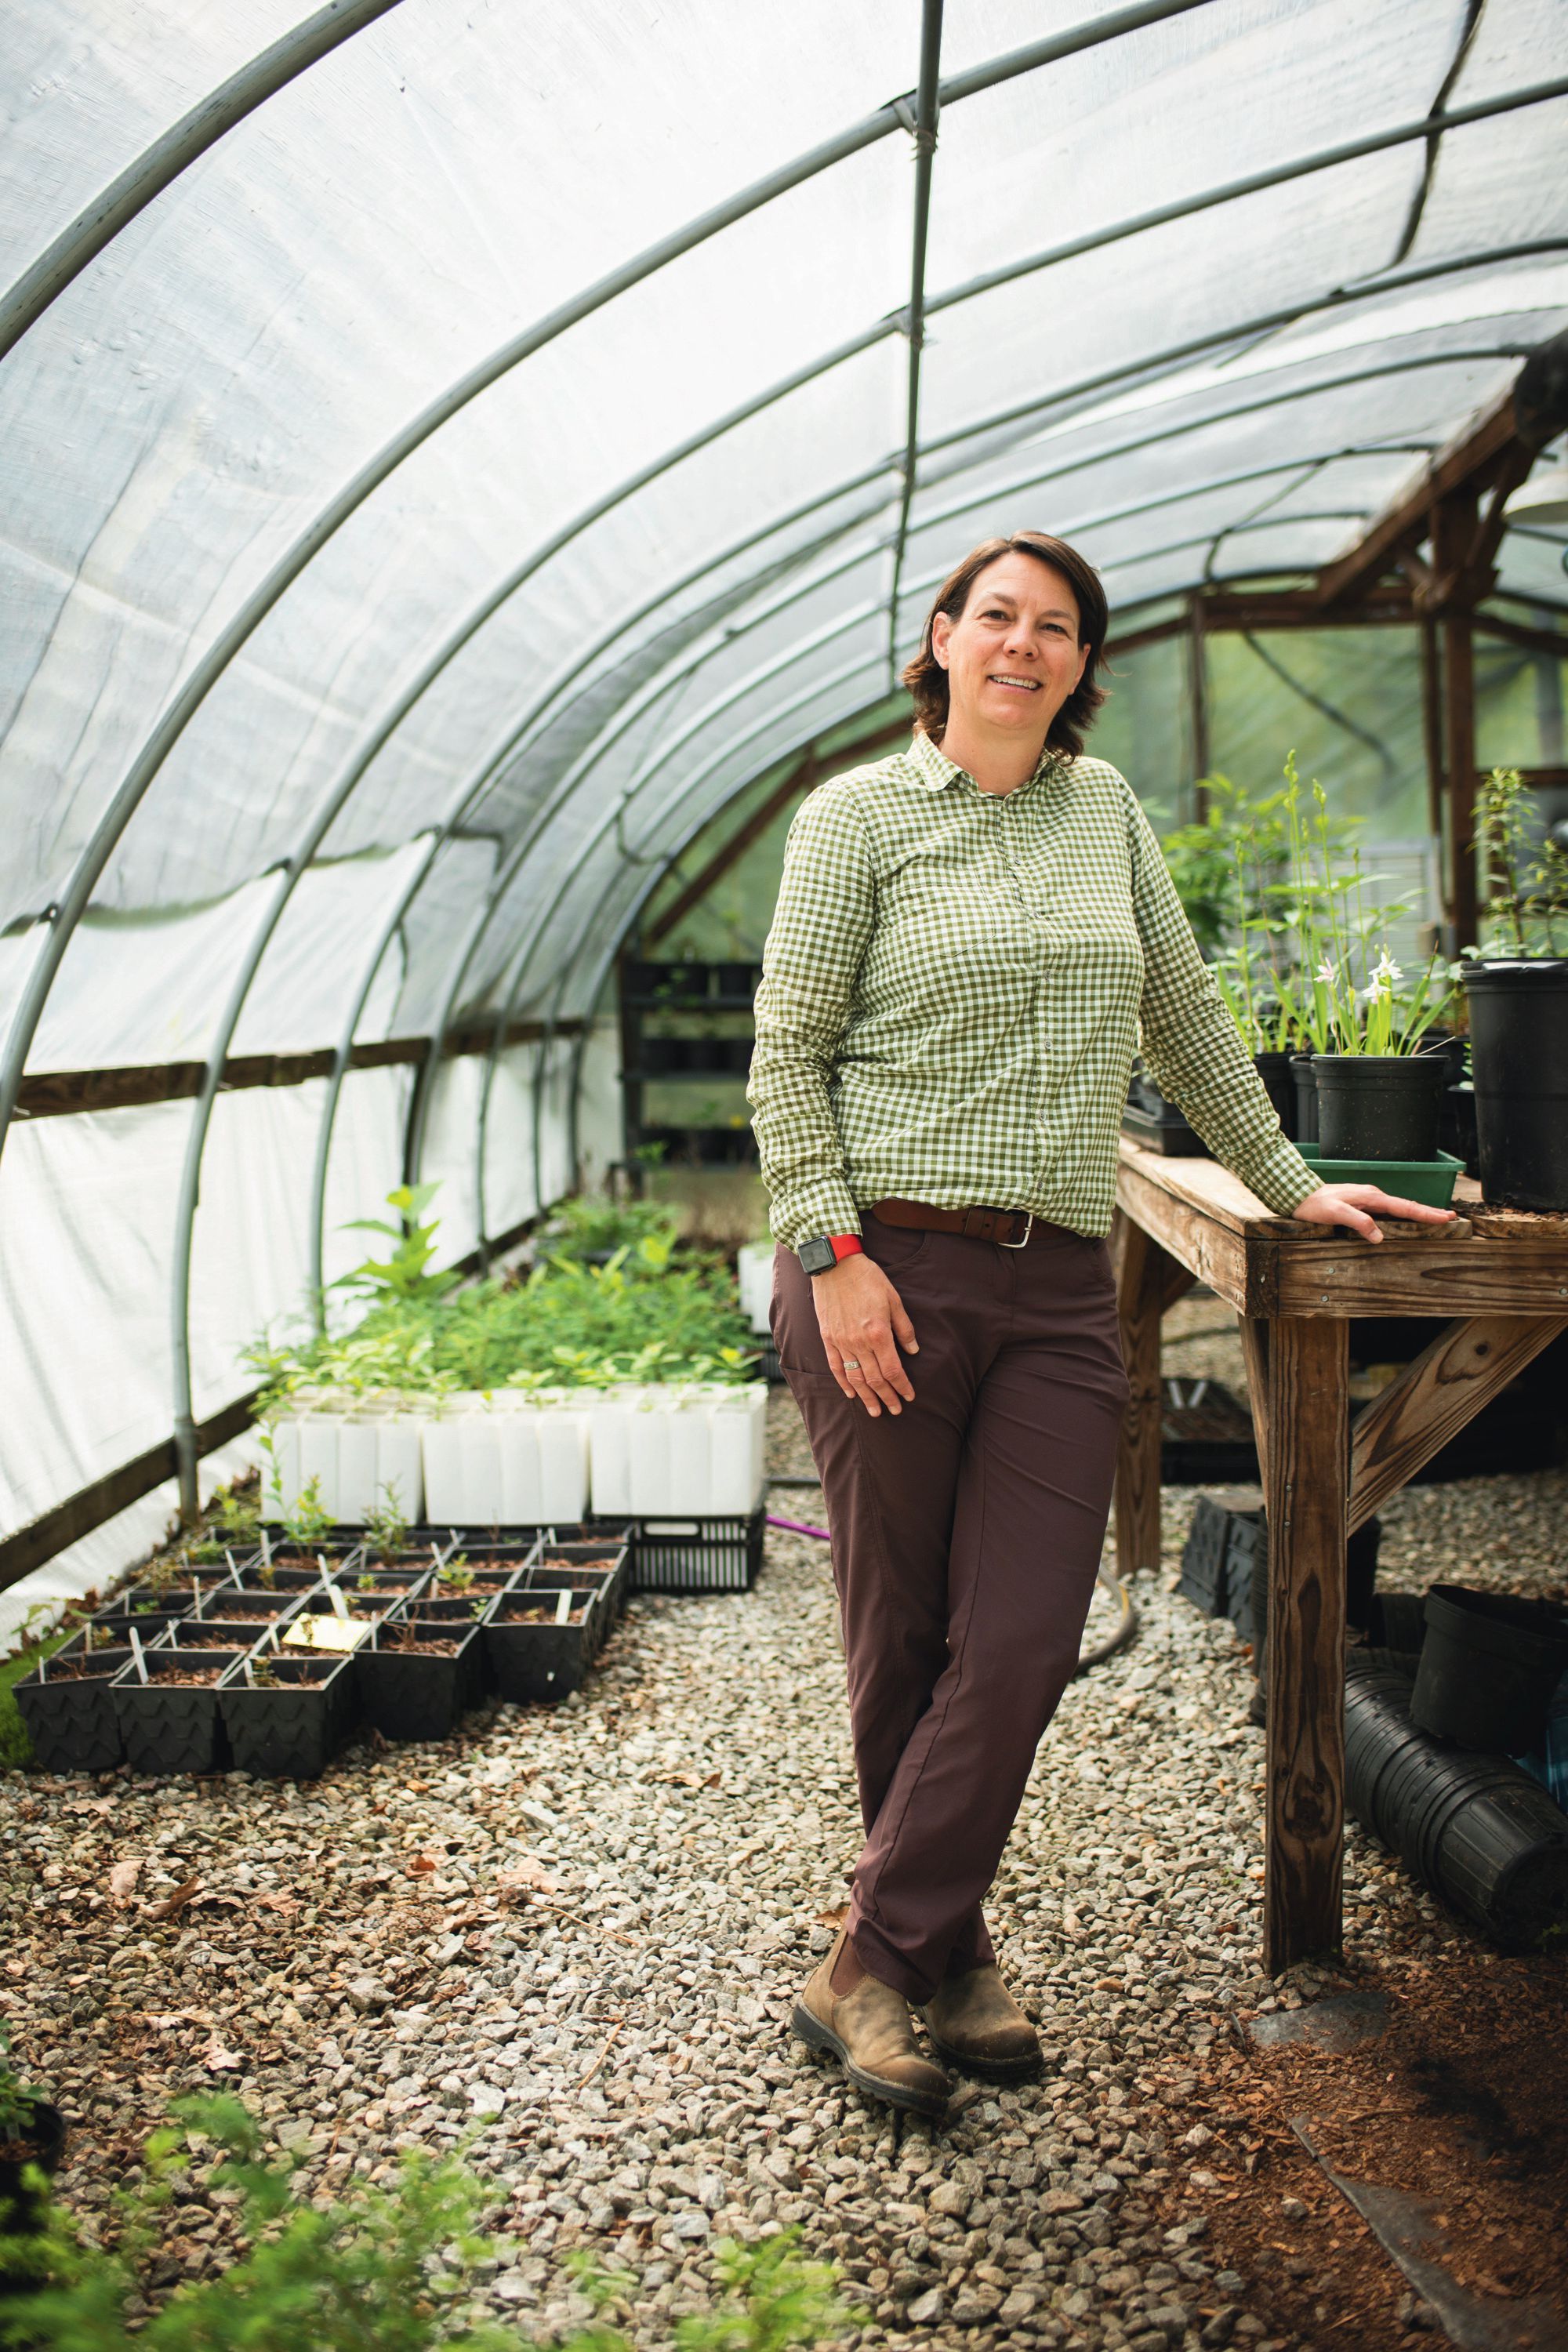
(1200, 295)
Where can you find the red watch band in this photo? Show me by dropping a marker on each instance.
(847, 1244)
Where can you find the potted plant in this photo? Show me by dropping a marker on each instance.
(542, 1635)
(167, 1704)
(1377, 1066)
(423, 1667)
(1517, 989)
(32, 2141)
(287, 1717)
(66, 1707)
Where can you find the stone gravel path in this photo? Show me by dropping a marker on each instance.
(579, 1931)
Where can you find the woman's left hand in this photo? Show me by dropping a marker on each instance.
(1347, 1204)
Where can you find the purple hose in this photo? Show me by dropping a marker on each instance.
(798, 1527)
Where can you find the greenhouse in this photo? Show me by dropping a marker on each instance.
(480, 486)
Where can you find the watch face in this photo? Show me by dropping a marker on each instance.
(817, 1254)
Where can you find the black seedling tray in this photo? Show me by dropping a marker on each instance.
(72, 1722)
(291, 1729)
(408, 1694)
(572, 1558)
(172, 1726)
(542, 1658)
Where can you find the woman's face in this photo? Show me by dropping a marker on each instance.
(1013, 654)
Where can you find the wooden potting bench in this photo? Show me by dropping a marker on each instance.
(1501, 1275)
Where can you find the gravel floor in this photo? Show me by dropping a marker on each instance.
(580, 1930)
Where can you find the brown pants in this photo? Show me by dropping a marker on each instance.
(966, 1534)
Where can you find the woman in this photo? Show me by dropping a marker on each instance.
(971, 938)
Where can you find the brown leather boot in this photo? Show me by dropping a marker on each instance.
(872, 2031)
(976, 2025)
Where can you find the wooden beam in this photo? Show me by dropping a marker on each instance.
(1197, 687)
(1304, 1769)
(1253, 1332)
(1453, 527)
(1431, 726)
(1468, 462)
(1465, 1367)
(57, 1094)
(1386, 604)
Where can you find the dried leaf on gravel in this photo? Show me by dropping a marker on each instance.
(122, 1879)
(527, 1876)
(167, 1905)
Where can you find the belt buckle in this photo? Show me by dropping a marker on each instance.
(1028, 1229)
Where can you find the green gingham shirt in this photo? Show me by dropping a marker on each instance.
(953, 991)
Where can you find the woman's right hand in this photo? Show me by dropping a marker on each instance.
(861, 1316)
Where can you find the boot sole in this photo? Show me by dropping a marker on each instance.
(811, 2030)
(987, 2070)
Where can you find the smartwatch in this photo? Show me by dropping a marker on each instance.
(819, 1252)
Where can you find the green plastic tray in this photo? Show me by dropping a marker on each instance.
(1430, 1181)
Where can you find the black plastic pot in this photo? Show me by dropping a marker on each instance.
(1518, 1058)
(1490, 1666)
(1477, 1830)
(1279, 1084)
(1304, 1078)
(70, 1719)
(1398, 1621)
(1379, 1105)
(1152, 1120)
(168, 1725)
(546, 1657)
(1456, 1126)
(410, 1694)
(292, 1727)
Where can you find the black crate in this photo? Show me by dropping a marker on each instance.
(1203, 1578)
(1205, 1436)
(696, 1555)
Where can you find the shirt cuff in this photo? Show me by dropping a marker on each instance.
(828, 1207)
(1281, 1178)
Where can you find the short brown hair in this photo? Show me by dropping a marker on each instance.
(926, 680)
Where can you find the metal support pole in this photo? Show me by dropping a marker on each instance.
(924, 131)
(114, 208)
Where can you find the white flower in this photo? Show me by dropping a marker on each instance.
(1385, 969)
(1326, 973)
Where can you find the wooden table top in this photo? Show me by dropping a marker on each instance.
(1487, 1261)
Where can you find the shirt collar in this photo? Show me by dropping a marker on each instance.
(934, 771)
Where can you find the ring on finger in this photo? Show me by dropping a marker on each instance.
(850, 1363)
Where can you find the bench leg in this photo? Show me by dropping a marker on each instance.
(1142, 1268)
(1309, 1455)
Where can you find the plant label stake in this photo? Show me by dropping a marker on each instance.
(340, 1606)
(196, 1596)
(563, 1605)
(249, 1677)
(233, 1564)
(136, 1651)
(266, 1550)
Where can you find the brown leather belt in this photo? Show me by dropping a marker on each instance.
(1009, 1228)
